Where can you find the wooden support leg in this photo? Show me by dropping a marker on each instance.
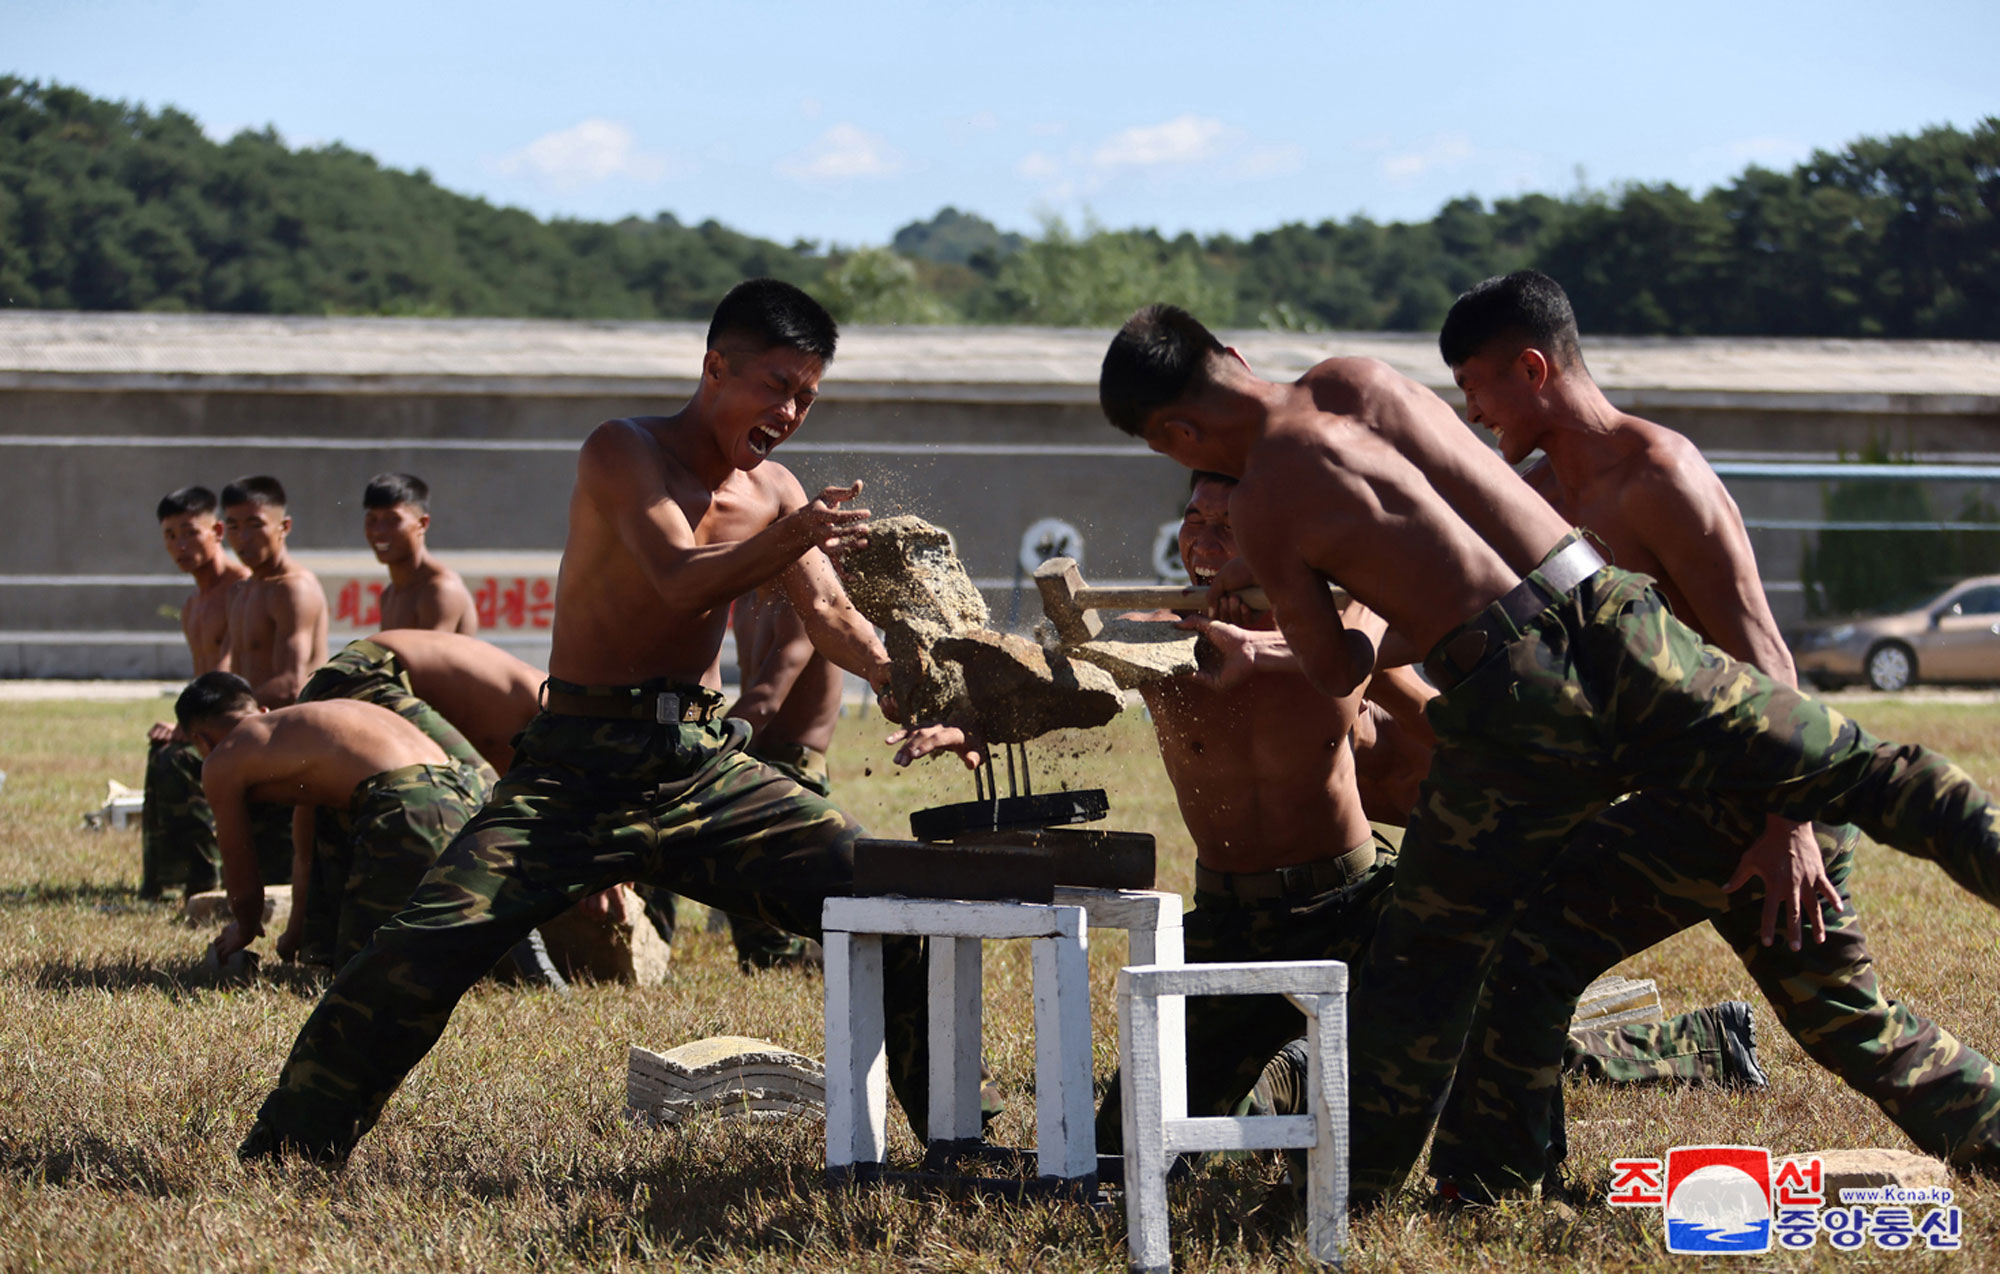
(1065, 1137)
(857, 1056)
(1145, 1126)
(1326, 1200)
(956, 1027)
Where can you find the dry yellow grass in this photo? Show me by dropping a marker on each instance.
(126, 1079)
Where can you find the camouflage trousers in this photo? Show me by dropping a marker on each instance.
(368, 672)
(587, 804)
(1637, 874)
(1600, 694)
(387, 839)
(759, 945)
(1230, 1038)
(372, 673)
(177, 846)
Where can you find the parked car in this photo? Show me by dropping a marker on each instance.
(1954, 636)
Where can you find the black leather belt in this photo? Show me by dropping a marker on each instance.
(662, 702)
(1300, 880)
(1485, 634)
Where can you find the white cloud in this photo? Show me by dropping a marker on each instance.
(1443, 152)
(841, 153)
(1269, 161)
(1036, 166)
(1182, 140)
(594, 151)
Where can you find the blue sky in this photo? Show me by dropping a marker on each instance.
(842, 122)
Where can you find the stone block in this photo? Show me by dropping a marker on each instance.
(911, 585)
(732, 1075)
(1018, 690)
(211, 907)
(1867, 1166)
(619, 946)
(1137, 652)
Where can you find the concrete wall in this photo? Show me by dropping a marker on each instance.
(86, 589)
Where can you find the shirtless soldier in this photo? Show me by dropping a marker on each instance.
(1566, 682)
(422, 592)
(1661, 862)
(488, 695)
(630, 771)
(401, 799)
(1286, 866)
(277, 617)
(178, 833)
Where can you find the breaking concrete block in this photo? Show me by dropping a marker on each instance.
(619, 946)
(1137, 652)
(911, 585)
(1019, 691)
(211, 907)
(724, 1075)
(1866, 1167)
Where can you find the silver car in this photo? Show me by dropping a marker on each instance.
(1955, 636)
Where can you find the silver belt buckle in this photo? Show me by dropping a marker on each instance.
(667, 708)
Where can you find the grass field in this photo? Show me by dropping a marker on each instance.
(126, 1078)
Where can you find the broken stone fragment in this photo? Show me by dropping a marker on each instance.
(1018, 691)
(1137, 653)
(619, 946)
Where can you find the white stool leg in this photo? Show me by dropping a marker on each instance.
(956, 1018)
(1145, 1127)
(1065, 1137)
(1326, 1200)
(857, 1056)
(1167, 948)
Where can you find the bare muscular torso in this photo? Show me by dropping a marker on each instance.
(433, 597)
(478, 687)
(318, 753)
(1376, 483)
(1263, 773)
(277, 631)
(205, 621)
(1602, 500)
(613, 626)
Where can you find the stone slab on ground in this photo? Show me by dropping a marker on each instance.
(1871, 1166)
(620, 946)
(731, 1075)
(1019, 691)
(1617, 1001)
(211, 907)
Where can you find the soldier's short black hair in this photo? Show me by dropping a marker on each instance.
(1152, 361)
(1527, 305)
(187, 500)
(387, 490)
(761, 314)
(211, 696)
(259, 489)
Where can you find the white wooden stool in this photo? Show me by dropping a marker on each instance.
(856, 1058)
(1153, 1068)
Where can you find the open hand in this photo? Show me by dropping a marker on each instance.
(920, 741)
(824, 524)
(1787, 859)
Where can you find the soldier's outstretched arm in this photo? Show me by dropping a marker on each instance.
(619, 473)
(223, 784)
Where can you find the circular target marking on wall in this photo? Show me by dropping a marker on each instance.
(1167, 562)
(1049, 537)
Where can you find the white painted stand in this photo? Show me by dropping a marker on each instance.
(1157, 1126)
(856, 1059)
(121, 810)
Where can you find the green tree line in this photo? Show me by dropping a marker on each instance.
(107, 206)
